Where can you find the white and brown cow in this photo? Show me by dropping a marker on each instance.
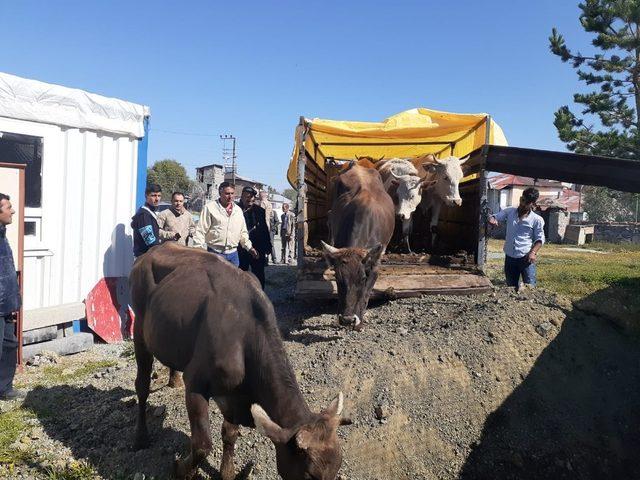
(403, 183)
(442, 182)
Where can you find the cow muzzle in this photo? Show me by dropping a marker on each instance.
(349, 320)
(454, 202)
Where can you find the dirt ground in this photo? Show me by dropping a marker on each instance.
(500, 386)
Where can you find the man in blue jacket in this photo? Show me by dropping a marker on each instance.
(146, 232)
(9, 305)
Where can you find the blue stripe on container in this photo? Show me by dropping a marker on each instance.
(141, 181)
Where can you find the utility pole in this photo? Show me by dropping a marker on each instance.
(229, 156)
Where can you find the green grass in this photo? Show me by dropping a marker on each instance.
(606, 284)
(128, 351)
(74, 471)
(59, 374)
(12, 425)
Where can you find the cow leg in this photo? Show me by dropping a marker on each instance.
(230, 432)
(175, 379)
(406, 230)
(435, 216)
(198, 410)
(144, 360)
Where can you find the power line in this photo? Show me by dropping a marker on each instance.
(173, 132)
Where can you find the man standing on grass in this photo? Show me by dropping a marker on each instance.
(9, 305)
(524, 238)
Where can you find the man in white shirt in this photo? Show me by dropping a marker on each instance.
(222, 227)
(524, 238)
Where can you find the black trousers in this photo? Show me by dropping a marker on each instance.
(255, 264)
(8, 355)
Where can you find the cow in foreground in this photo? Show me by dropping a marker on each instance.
(442, 182)
(403, 183)
(361, 222)
(198, 314)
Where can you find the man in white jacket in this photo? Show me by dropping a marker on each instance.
(222, 227)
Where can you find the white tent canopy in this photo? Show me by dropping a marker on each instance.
(31, 100)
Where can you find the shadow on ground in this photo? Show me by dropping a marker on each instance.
(619, 303)
(98, 425)
(576, 415)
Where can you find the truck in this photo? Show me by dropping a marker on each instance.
(458, 266)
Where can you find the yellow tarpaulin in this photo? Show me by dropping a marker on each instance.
(410, 134)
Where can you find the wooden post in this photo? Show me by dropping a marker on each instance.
(481, 253)
(302, 193)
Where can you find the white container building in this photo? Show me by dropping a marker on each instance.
(86, 158)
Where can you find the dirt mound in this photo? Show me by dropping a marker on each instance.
(500, 385)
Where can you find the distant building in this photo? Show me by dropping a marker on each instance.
(242, 182)
(210, 177)
(505, 191)
(556, 204)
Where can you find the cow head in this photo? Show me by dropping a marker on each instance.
(448, 173)
(310, 451)
(356, 272)
(408, 194)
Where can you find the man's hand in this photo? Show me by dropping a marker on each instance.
(254, 253)
(493, 221)
(192, 230)
(531, 257)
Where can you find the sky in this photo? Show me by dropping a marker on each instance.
(251, 69)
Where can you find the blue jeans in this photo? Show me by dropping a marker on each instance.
(514, 268)
(229, 257)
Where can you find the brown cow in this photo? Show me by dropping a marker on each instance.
(198, 314)
(361, 224)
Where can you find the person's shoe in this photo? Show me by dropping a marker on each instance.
(13, 394)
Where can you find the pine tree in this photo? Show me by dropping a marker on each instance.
(608, 124)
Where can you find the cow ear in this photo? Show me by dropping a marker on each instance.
(303, 439)
(373, 257)
(268, 427)
(430, 167)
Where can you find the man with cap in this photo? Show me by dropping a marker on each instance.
(255, 218)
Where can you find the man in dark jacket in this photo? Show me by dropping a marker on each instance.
(256, 221)
(146, 232)
(9, 305)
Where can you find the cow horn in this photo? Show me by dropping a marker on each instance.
(357, 157)
(328, 248)
(381, 158)
(335, 408)
(268, 427)
(462, 160)
(440, 161)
